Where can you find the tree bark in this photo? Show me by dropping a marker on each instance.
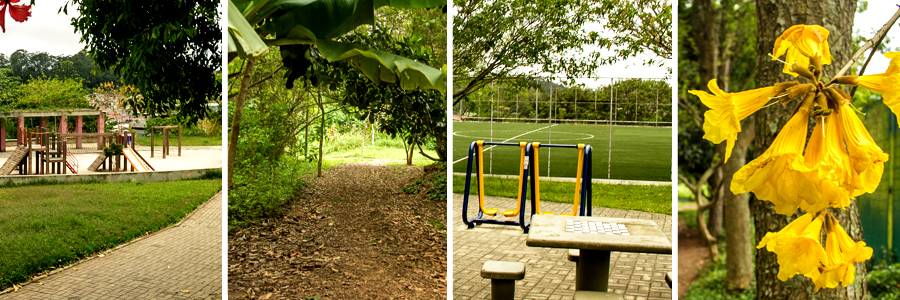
(236, 118)
(738, 252)
(321, 130)
(773, 17)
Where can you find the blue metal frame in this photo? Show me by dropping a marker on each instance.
(585, 205)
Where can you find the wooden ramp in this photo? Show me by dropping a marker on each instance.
(14, 160)
(97, 162)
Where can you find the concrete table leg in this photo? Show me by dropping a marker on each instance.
(503, 289)
(592, 271)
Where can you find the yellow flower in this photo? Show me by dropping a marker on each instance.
(772, 176)
(827, 166)
(853, 251)
(841, 253)
(887, 83)
(876, 82)
(866, 158)
(723, 119)
(802, 42)
(802, 253)
(835, 269)
(793, 228)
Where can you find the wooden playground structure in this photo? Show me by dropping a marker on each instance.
(165, 139)
(40, 151)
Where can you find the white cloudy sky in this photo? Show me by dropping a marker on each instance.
(45, 31)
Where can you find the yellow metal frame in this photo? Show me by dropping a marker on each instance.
(511, 213)
(537, 181)
(487, 211)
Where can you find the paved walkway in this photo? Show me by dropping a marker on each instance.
(179, 262)
(549, 274)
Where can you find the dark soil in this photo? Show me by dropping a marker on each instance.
(355, 234)
(692, 255)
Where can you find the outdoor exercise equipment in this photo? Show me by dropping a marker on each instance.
(581, 205)
(528, 172)
(520, 201)
(165, 139)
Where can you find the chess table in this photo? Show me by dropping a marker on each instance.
(596, 237)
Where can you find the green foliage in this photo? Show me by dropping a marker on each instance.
(639, 27)
(411, 189)
(438, 189)
(884, 281)
(710, 284)
(297, 26)
(262, 189)
(169, 50)
(417, 116)
(496, 39)
(42, 94)
(113, 149)
(25, 66)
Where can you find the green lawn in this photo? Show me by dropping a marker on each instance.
(185, 140)
(638, 153)
(655, 199)
(46, 226)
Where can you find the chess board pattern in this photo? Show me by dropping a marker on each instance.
(591, 227)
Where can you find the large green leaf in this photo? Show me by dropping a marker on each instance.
(242, 39)
(331, 18)
(382, 66)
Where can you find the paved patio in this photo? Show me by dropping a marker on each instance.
(180, 262)
(549, 274)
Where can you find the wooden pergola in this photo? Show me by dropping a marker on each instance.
(63, 115)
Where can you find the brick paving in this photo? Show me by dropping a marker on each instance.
(548, 272)
(185, 257)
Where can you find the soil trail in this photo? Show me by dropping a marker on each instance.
(692, 255)
(354, 235)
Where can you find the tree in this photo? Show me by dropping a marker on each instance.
(169, 50)
(495, 39)
(773, 18)
(641, 26)
(306, 30)
(509, 39)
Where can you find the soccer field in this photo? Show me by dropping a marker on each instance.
(638, 153)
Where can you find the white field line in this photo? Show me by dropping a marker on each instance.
(507, 140)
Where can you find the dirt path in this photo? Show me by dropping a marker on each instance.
(692, 255)
(354, 235)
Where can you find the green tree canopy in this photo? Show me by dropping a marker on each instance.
(167, 49)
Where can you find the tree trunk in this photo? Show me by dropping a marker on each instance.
(738, 255)
(773, 17)
(321, 130)
(236, 119)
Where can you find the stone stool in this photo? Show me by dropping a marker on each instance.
(589, 295)
(503, 276)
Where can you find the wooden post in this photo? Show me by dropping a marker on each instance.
(151, 142)
(2, 137)
(179, 140)
(101, 128)
(165, 142)
(78, 129)
(43, 122)
(21, 138)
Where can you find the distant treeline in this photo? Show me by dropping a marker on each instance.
(25, 65)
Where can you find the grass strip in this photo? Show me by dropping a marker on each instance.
(47, 226)
(654, 199)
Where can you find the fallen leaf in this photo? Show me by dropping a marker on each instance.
(266, 296)
(185, 291)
